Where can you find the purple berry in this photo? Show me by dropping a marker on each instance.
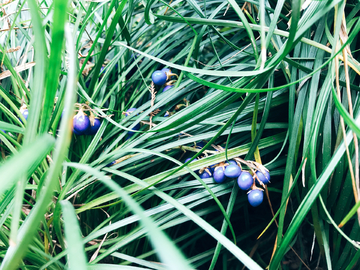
(212, 168)
(205, 175)
(186, 160)
(159, 77)
(263, 178)
(25, 113)
(233, 162)
(200, 145)
(77, 132)
(255, 197)
(129, 111)
(166, 70)
(81, 123)
(167, 88)
(232, 171)
(93, 129)
(219, 175)
(245, 180)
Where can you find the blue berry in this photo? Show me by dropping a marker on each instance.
(25, 113)
(81, 123)
(167, 114)
(263, 178)
(159, 77)
(255, 197)
(166, 70)
(232, 171)
(186, 160)
(233, 162)
(245, 180)
(205, 175)
(93, 129)
(102, 70)
(200, 145)
(167, 88)
(77, 132)
(129, 111)
(219, 175)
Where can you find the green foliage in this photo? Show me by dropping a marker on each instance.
(266, 81)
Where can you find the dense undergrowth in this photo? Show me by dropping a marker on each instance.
(266, 81)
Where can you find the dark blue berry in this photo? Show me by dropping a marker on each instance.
(263, 178)
(129, 111)
(94, 128)
(200, 145)
(102, 70)
(81, 123)
(76, 132)
(245, 180)
(167, 88)
(159, 77)
(255, 197)
(204, 175)
(232, 171)
(233, 162)
(219, 175)
(166, 70)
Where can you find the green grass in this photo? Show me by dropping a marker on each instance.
(267, 81)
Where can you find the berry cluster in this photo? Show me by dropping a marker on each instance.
(85, 125)
(164, 77)
(246, 180)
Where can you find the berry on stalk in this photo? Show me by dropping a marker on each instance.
(169, 74)
(94, 127)
(232, 171)
(204, 175)
(167, 88)
(264, 178)
(81, 123)
(219, 175)
(245, 180)
(233, 162)
(255, 197)
(159, 77)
